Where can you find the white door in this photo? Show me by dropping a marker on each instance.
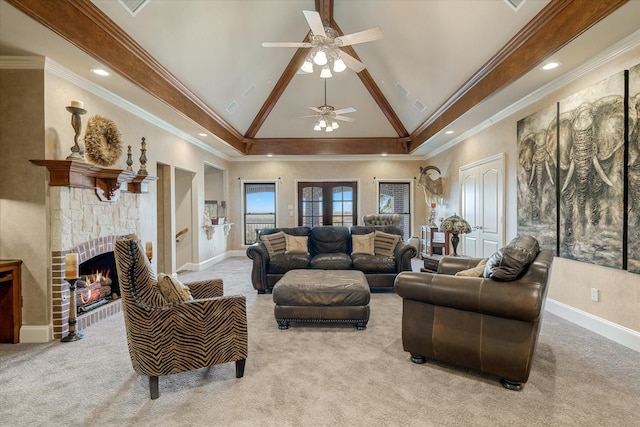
(482, 205)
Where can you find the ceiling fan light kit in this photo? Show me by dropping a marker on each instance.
(325, 44)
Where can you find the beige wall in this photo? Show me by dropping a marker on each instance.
(288, 173)
(571, 281)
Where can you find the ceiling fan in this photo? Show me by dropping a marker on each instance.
(325, 46)
(327, 115)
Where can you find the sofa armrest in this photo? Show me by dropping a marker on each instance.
(403, 253)
(453, 264)
(258, 253)
(519, 300)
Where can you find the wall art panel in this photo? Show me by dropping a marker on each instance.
(537, 176)
(591, 179)
(633, 230)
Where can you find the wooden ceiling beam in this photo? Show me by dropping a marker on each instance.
(560, 22)
(86, 27)
(327, 146)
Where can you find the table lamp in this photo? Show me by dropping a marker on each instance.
(455, 225)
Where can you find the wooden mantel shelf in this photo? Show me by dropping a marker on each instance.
(107, 182)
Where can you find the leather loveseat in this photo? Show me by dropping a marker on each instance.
(486, 324)
(330, 248)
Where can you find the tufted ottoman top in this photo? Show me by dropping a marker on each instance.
(322, 288)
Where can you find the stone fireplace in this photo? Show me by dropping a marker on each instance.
(82, 223)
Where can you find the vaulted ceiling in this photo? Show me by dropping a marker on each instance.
(199, 65)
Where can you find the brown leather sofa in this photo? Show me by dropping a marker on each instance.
(329, 248)
(476, 322)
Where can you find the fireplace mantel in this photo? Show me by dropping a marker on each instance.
(106, 181)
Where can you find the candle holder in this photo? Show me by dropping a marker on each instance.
(143, 158)
(76, 123)
(73, 335)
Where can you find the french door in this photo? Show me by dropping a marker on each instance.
(327, 203)
(482, 205)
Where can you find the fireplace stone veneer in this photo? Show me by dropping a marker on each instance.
(82, 224)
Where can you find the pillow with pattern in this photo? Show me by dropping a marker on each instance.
(296, 244)
(362, 244)
(476, 271)
(384, 243)
(276, 243)
(172, 289)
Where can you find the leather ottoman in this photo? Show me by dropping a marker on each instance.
(336, 296)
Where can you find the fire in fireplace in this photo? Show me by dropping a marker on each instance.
(98, 283)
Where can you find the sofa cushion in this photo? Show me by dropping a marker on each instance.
(275, 243)
(172, 289)
(327, 240)
(476, 271)
(362, 244)
(509, 262)
(385, 243)
(374, 263)
(331, 261)
(282, 263)
(296, 244)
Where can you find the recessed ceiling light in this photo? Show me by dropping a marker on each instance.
(384, 154)
(202, 134)
(269, 155)
(100, 72)
(449, 132)
(550, 66)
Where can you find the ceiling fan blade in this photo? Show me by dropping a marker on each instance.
(345, 110)
(351, 62)
(304, 117)
(317, 110)
(344, 118)
(359, 37)
(286, 44)
(315, 22)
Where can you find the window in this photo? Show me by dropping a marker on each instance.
(259, 208)
(341, 209)
(395, 198)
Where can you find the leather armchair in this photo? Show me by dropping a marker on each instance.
(167, 338)
(473, 322)
(381, 219)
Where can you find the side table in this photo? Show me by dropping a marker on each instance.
(431, 263)
(10, 300)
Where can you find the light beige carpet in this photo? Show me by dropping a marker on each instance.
(316, 376)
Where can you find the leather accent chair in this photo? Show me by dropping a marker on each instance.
(166, 338)
(377, 220)
(474, 322)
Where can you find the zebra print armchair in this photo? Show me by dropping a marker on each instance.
(167, 338)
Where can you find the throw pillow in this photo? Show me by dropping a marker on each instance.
(296, 244)
(362, 244)
(276, 243)
(172, 289)
(512, 260)
(475, 271)
(385, 243)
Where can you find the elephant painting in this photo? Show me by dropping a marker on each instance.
(591, 158)
(537, 171)
(633, 178)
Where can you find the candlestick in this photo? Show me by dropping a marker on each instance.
(129, 160)
(76, 111)
(73, 335)
(149, 250)
(71, 266)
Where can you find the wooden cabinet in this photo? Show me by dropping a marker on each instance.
(10, 300)
(432, 242)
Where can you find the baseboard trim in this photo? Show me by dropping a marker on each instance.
(620, 334)
(36, 334)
